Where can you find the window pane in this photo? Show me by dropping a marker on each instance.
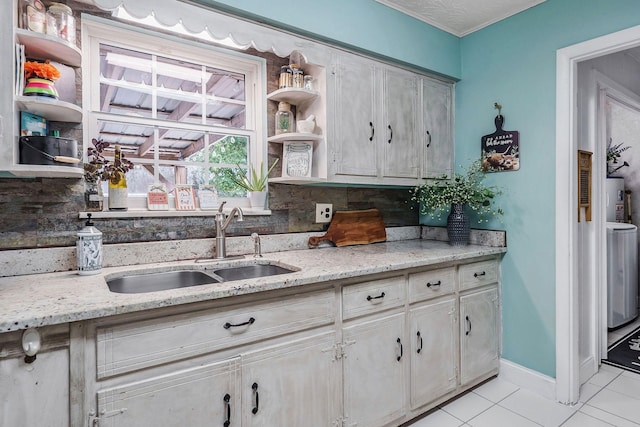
(179, 89)
(225, 98)
(125, 82)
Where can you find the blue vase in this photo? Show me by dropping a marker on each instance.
(458, 227)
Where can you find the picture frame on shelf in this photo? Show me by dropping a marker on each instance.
(157, 197)
(185, 198)
(297, 159)
(208, 197)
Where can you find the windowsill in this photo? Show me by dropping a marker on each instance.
(171, 213)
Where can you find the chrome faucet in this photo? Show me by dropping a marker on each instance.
(222, 222)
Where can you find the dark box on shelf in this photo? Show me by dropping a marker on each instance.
(43, 150)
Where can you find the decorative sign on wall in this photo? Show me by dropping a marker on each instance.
(501, 149)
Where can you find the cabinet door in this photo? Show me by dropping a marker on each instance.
(437, 129)
(433, 336)
(293, 384)
(355, 132)
(479, 334)
(374, 371)
(205, 396)
(398, 135)
(35, 394)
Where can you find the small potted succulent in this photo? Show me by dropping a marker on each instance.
(255, 182)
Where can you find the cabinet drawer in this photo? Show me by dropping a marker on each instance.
(431, 284)
(141, 344)
(371, 297)
(478, 274)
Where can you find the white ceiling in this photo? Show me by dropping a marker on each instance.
(460, 17)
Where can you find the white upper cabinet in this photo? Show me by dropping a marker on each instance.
(399, 143)
(355, 148)
(388, 126)
(437, 131)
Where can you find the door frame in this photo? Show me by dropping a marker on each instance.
(566, 225)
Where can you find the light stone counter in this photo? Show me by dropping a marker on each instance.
(53, 298)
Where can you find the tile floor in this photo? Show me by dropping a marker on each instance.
(609, 398)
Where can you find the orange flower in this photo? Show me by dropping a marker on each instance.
(42, 70)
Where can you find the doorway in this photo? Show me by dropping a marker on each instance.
(579, 254)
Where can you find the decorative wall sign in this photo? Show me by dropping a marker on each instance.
(157, 198)
(501, 149)
(208, 197)
(185, 199)
(297, 159)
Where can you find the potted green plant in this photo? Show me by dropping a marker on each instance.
(255, 182)
(458, 193)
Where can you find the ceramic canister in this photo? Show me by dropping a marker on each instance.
(89, 249)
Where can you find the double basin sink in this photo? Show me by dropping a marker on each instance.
(174, 279)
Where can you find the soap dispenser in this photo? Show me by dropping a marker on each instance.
(89, 248)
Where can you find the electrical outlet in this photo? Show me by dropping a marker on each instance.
(324, 212)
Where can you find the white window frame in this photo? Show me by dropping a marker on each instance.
(98, 30)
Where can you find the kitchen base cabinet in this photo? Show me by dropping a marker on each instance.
(35, 394)
(479, 334)
(433, 335)
(374, 371)
(204, 396)
(293, 384)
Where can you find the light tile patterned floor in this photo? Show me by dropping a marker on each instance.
(609, 398)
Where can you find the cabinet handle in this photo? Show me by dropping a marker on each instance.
(373, 131)
(438, 283)
(248, 322)
(428, 139)
(369, 297)
(391, 134)
(468, 326)
(401, 350)
(227, 399)
(254, 387)
(419, 343)
(482, 273)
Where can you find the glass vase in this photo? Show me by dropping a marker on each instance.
(93, 196)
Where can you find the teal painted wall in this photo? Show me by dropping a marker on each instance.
(514, 62)
(365, 25)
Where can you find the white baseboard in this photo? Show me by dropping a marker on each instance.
(528, 379)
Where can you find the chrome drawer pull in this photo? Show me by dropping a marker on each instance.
(369, 297)
(248, 322)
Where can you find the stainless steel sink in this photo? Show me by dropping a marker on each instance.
(250, 271)
(152, 282)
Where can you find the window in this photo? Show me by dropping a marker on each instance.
(183, 112)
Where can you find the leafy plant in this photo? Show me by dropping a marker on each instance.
(613, 154)
(101, 168)
(467, 188)
(252, 180)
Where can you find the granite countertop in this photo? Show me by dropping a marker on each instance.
(54, 298)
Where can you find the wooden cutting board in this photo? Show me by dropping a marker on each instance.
(353, 228)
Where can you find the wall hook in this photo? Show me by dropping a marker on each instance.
(498, 107)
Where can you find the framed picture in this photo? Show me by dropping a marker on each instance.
(297, 159)
(157, 197)
(208, 197)
(185, 199)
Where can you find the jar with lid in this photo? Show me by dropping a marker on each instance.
(65, 23)
(286, 77)
(308, 82)
(284, 119)
(298, 81)
(32, 15)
